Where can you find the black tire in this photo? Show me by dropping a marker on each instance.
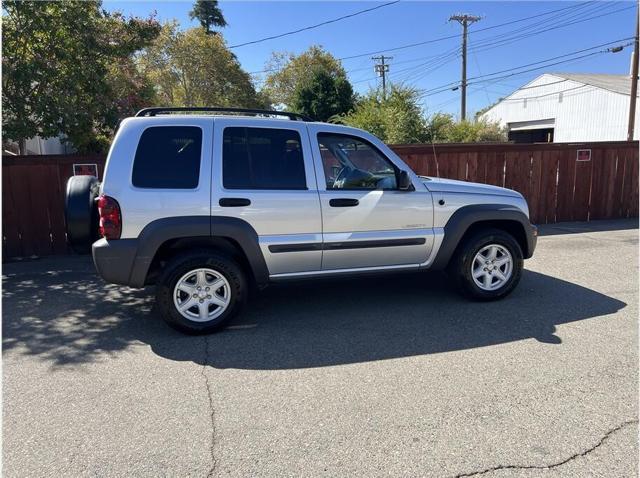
(460, 267)
(81, 212)
(182, 264)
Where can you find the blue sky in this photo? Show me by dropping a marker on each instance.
(432, 65)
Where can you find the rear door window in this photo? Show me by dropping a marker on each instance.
(262, 158)
(168, 157)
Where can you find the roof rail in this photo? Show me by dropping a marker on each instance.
(188, 109)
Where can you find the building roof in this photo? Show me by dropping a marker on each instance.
(616, 83)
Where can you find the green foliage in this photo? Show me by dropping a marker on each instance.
(323, 95)
(482, 111)
(68, 70)
(290, 71)
(191, 68)
(443, 128)
(398, 118)
(208, 14)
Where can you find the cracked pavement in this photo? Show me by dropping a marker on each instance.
(386, 376)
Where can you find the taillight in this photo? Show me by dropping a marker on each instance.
(110, 218)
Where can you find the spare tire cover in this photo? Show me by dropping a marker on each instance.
(81, 212)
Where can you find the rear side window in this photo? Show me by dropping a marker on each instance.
(168, 157)
(262, 158)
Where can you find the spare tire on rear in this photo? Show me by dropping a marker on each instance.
(81, 212)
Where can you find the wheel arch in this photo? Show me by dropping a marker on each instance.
(470, 219)
(168, 249)
(163, 238)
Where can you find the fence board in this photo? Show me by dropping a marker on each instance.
(472, 166)
(25, 209)
(582, 191)
(633, 190)
(607, 183)
(12, 245)
(618, 195)
(56, 212)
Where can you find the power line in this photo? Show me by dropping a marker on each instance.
(359, 55)
(540, 86)
(448, 37)
(538, 32)
(453, 83)
(579, 12)
(311, 27)
(517, 38)
(546, 94)
(435, 91)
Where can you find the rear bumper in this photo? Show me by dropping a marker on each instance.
(115, 260)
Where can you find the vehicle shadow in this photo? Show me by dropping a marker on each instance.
(71, 317)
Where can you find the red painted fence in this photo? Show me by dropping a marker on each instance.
(556, 185)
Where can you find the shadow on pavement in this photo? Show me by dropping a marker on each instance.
(591, 226)
(71, 317)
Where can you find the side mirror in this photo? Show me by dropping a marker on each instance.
(404, 181)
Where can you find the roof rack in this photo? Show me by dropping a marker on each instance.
(208, 109)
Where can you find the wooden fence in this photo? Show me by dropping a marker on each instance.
(33, 202)
(556, 185)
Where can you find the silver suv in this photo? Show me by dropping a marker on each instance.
(204, 204)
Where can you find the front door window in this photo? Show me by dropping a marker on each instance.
(351, 163)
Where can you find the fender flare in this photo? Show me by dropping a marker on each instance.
(466, 216)
(159, 231)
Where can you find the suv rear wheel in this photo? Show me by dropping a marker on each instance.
(488, 265)
(200, 292)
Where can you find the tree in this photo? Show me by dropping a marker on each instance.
(443, 128)
(288, 71)
(208, 14)
(68, 70)
(191, 68)
(398, 118)
(323, 95)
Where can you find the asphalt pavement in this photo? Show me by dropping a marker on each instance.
(386, 376)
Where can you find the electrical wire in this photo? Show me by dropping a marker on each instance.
(411, 45)
(547, 94)
(455, 84)
(537, 32)
(311, 27)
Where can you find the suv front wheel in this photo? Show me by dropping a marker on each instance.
(488, 265)
(200, 292)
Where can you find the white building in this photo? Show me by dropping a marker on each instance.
(567, 107)
(38, 146)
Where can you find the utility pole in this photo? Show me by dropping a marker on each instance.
(382, 69)
(465, 20)
(634, 83)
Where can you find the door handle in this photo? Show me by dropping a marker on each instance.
(343, 202)
(234, 202)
